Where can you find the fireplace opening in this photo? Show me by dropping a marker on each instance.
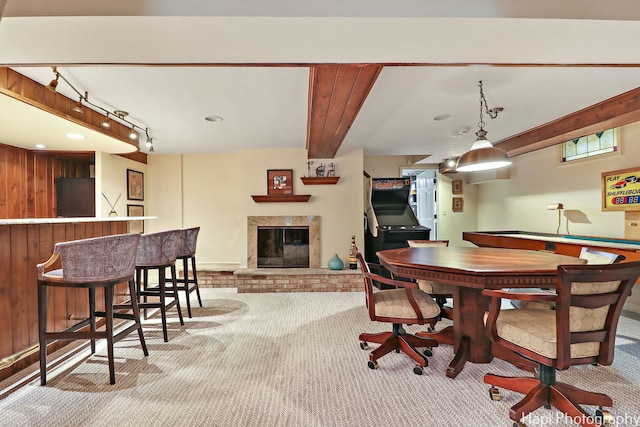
(283, 247)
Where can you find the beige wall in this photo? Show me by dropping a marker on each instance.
(111, 179)
(537, 179)
(214, 192)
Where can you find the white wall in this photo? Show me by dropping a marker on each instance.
(214, 192)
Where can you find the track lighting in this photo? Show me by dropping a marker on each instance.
(106, 123)
(120, 115)
(78, 107)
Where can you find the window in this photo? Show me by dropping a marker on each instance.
(590, 145)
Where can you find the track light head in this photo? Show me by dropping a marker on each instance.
(53, 84)
(133, 134)
(106, 123)
(78, 107)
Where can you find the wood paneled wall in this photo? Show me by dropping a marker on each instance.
(28, 181)
(22, 247)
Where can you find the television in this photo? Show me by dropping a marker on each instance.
(76, 197)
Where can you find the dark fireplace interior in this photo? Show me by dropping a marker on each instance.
(283, 247)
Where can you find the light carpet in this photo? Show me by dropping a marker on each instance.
(291, 359)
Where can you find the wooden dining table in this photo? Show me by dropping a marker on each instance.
(471, 270)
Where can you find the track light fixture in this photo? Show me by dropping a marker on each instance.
(121, 115)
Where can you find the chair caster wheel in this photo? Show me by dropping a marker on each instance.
(417, 370)
(430, 329)
(372, 365)
(604, 417)
(494, 394)
(364, 345)
(519, 424)
(428, 352)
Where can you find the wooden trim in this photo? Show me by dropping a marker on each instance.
(319, 180)
(280, 198)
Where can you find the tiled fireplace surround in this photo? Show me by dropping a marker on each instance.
(262, 280)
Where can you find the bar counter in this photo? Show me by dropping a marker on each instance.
(24, 243)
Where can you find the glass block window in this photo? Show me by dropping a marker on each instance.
(590, 145)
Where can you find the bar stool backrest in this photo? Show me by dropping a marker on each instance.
(99, 258)
(157, 249)
(188, 241)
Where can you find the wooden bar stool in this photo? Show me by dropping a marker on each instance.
(186, 252)
(158, 251)
(101, 262)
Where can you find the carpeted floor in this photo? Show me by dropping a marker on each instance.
(290, 359)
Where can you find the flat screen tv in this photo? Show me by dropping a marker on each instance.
(75, 197)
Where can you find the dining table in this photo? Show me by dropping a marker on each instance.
(470, 270)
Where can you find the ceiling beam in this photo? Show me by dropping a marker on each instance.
(614, 112)
(336, 94)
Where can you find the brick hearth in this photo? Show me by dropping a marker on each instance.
(254, 280)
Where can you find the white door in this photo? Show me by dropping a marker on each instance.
(427, 201)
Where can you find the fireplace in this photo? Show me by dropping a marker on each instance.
(283, 247)
(308, 226)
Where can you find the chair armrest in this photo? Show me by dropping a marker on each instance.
(391, 282)
(522, 296)
(48, 263)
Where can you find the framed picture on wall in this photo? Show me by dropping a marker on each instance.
(458, 204)
(135, 185)
(136, 226)
(279, 181)
(456, 186)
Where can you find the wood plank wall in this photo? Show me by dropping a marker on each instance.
(22, 247)
(28, 181)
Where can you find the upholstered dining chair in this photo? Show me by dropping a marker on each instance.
(581, 330)
(94, 263)
(592, 256)
(405, 304)
(158, 251)
(187, 252)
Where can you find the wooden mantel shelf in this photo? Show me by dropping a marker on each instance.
(281, 198)
(319, 180)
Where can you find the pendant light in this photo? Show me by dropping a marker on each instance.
(483, 155)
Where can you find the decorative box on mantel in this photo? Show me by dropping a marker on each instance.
(319, 180)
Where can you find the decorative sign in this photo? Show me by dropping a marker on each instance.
(621, 190)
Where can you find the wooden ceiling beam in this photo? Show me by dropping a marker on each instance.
(336, 94)
(614, 112)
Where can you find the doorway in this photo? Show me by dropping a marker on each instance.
(423, 197)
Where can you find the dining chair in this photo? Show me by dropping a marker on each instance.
(580, 331)
(158, 251)
(592, 256)
(187, 254)
(404, 304)
(94, 263)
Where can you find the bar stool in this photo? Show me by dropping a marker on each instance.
(101, 262)
(186, 251)
(158, 251)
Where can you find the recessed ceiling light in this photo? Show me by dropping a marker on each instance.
(442, 117)
(40, 146)
(213, 118)
(461, 131)
(74, 136)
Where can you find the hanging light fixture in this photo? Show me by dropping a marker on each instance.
(483, 155)
(120, 116)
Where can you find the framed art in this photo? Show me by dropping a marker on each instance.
(135, 185)
(456, 186)
(621, 190)
(136, 226)
(279, 181)
(458, 204)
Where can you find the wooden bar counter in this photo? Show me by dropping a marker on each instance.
(23, 244)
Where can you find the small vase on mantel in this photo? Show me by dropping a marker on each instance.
(336, 263)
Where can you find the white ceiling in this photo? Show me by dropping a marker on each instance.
(170, 64)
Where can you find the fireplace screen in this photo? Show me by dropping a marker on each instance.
(283, 247)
